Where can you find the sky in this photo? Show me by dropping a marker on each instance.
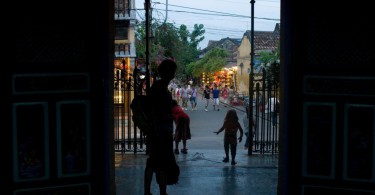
(221, 18)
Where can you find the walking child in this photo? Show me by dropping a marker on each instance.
(231, 126)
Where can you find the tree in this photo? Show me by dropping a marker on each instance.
(170, 42)
(212, 62)
(270, 62)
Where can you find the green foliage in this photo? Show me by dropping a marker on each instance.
(270, 61)
(212, 62)
(266, 57)
(168, 41)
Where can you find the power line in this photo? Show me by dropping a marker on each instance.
(225, 15)
(217, 15)
(213, 13)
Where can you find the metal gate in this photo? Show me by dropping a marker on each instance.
(265, 115)
(127, 136)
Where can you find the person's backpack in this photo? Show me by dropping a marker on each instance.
(173, 173)
(141, 108)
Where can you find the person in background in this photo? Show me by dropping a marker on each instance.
(216, 97)
(161, 139)
(206, 94)
(193, 97)
(271, 106)
(182, 131)
(224, 94)
(178, 94)
(231, 126)
(184, 96)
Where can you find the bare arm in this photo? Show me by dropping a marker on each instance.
(241, 132)
(220, 130)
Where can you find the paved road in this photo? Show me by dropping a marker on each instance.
(203, 124)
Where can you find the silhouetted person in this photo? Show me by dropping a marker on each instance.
(161, 137)
(231, 126)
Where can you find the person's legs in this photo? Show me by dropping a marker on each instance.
(226, 149)
(185, 103)
(148, 177)
(233, 151)
(184, 144)
(176, 151)
(162, 180)
(216, 104)
(184, 149)
(164, 152)
(194, 103)
(177, 137)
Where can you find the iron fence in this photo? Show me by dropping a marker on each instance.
(128, 138)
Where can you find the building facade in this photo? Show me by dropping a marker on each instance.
(124, 51)
(263, 41)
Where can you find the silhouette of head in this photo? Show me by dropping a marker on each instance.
(167, 69)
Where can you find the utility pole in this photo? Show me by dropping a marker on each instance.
(251, 81)
(166, 11)
(147, 8)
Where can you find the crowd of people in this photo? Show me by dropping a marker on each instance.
(186, 95)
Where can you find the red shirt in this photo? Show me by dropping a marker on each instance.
(177, 112)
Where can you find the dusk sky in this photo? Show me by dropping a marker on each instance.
(221, 18)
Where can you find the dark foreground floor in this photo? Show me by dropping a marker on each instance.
(203, 172)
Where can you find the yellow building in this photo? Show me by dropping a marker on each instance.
(263, 41)
(124, 51)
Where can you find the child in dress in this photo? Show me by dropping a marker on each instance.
(182, 123)
(231, 126)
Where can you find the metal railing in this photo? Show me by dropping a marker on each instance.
(127, 137)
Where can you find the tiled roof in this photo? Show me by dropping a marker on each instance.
(265, 40)
(212, 44)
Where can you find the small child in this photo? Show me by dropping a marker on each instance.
(182, 122)
(231, 126)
